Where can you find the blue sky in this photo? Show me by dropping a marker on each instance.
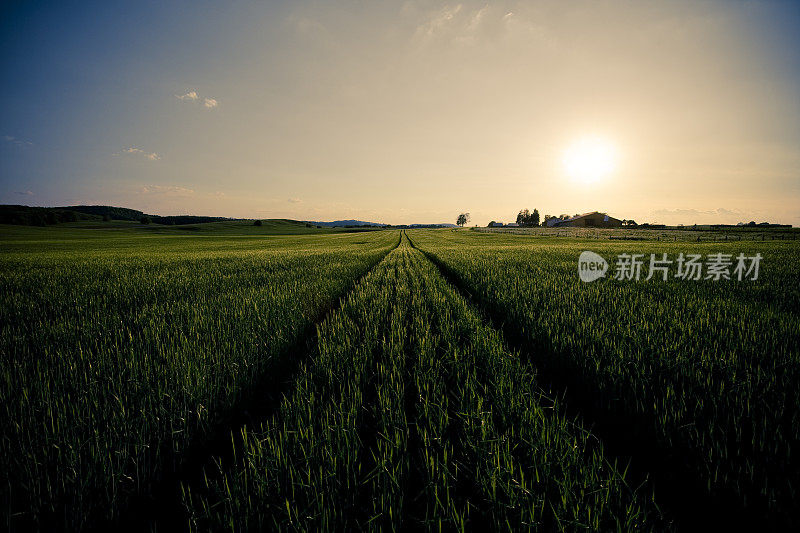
(402, 111)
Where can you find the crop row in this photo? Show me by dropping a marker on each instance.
(411, 413)
(116, 354)
(702, 377)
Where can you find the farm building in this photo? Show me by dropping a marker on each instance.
(594, 219)
(552, 222)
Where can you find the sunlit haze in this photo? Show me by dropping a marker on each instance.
(412, 112)
(590, 159)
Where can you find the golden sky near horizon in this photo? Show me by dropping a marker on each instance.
(413, 112)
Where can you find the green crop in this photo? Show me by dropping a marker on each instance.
(703, 376)
(411, 413)
(223, 377)
(116, 353)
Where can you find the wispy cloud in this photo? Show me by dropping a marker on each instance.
(691, 212)
(307, 26)
(152, 156)
(294, 200)
(166, 190)
(24, 193)
(190, 96)
(461, 24)
(703, 216)
(194, 98)
(13, 140)
(439, 20)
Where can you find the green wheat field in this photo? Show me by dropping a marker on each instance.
(235, 378)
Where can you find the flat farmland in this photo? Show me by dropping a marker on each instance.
(238, 379)
(699, 379)
(120, 349)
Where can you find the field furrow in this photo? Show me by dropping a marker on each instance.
(697, 381)
(391, 380)
(411, 413)
(121, 361)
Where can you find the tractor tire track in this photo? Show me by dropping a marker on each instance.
(624, 439)
(160, 506)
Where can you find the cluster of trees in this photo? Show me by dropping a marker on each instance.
(753, 224)
(40, 216)
(562, 216)
(526, 218)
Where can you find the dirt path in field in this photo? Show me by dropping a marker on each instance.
(160, 507)
(625, 439)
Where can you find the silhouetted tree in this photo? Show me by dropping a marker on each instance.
(257, 223)
(462, 219)
(145, 220)
(526, 218)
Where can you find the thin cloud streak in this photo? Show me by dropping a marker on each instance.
(193, 97)
(152, 156)
(167, 190)
(190, 96)
(19, 142)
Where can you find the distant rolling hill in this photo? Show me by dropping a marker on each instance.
(124, 213)
(42, 216)
(345, 223)
(23, 215)
(362, 223)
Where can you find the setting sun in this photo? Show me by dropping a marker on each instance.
(590, 159)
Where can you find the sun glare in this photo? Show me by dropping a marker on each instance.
(589, 159)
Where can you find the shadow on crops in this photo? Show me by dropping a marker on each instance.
(627, 436)
(159, 506)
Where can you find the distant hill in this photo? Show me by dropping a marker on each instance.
(346, 224)
(22, 215)
(114, 213)
(123, 213)
(42, 216)
(362, 224)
